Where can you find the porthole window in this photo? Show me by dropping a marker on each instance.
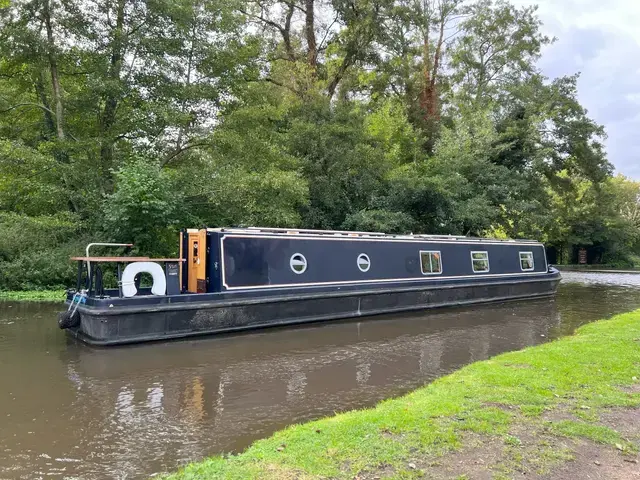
(364, 264)
(298, 263)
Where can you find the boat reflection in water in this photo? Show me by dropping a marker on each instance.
(190, 399)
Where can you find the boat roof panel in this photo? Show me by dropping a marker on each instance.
(345, 233)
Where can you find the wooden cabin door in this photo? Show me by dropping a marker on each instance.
(193, 260)
(196, 259)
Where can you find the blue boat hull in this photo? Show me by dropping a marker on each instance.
(150, 318)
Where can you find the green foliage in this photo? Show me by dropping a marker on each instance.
(31, 180)
(346, 168)
(589, 214)
(389, 126)
(130, 120)
(248, 176)
(44, 269)
(34, 296)
(22, 234)
(379, 221)
(497, 49)
(35, 251)
(144, 209)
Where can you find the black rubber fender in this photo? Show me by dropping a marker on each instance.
(68, 319)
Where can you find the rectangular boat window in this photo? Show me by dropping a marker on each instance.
(526, 261)
(480, 261)
(430, 262)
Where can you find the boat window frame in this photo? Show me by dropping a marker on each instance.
(306, 264)
(364, 255)
(533, 262)
(439, 252)
(473, 260)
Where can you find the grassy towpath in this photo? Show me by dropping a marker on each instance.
(34, 296)
(568, 409)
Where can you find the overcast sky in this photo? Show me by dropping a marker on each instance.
(600, 39)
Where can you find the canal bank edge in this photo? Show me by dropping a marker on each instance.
(58, 296)
(564, 409)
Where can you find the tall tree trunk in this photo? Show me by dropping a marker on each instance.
(434, 111)
(108, 117)
(342, 69)
(182, 131)
(309, 29)
(426, 72)
(286, 33)
(49, 121)
(429, 100)
(53, 68)
(54, 126)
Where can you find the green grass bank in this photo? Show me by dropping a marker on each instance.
(34, 296)
(568, 404)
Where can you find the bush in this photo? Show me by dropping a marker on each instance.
(38, 270)
(20, 234)
(35, 251)
(144, 209)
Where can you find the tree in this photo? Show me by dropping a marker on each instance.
(410, 58)
(128, 119)
(313, 44)
(144, 208)
(342, 163)
(125, 75)
(248, 176)
(627, 199)
(588, 214)
(497, 48)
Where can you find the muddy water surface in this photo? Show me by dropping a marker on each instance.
(72, 411)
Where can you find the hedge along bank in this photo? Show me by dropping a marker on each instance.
(537, 407)
(34, 296)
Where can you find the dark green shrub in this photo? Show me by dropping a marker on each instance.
(35, 251)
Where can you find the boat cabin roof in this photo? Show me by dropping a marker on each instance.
(345, 233)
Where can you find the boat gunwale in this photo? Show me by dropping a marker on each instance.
(210, 302)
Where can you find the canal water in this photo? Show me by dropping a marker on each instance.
(72, 411)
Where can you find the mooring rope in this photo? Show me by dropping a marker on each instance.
(82, 293)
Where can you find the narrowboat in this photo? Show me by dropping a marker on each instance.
(232, 279)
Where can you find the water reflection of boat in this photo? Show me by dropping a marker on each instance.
(241, 387)
(239, 279)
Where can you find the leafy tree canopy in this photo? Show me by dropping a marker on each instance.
(129, 119)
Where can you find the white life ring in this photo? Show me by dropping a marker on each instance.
(154, 269)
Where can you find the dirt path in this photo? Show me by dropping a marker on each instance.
(533, 449)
